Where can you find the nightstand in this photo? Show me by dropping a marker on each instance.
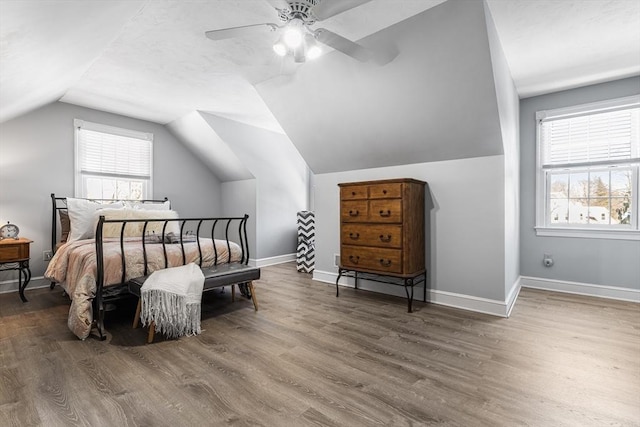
(14, 255)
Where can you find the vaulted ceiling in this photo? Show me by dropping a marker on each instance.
(150, 60)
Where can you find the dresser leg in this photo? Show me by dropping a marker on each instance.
(424, 289)
(408, 283)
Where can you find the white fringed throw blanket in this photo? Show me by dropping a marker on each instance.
(171, 298)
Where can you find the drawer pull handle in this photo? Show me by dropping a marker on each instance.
(354, 236)
(353, 193)
(387, 213)
(354, 259)
(384, 191)
(385, 263)
(385, 239)
(354, 213)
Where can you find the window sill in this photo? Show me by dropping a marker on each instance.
(586, 233)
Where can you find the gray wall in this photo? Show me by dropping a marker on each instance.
(508, 110)
(592, 261)
(435, 101)
(282, 182)
(239, 198)
(36, 159)
(464, 215)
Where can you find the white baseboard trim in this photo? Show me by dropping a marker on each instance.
(450, 299)
(513, 295)
(264, 262)
(12, 285)
(602, 291)
(8, 286)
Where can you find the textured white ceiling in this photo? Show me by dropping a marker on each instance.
(552, 45)
(150, 60)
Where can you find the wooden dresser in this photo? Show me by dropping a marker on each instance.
(382, 230)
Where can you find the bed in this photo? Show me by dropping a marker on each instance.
(104, 244)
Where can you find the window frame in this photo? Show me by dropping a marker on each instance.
(78, 124)
(543, 227)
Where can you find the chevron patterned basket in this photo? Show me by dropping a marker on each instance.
(306, 256)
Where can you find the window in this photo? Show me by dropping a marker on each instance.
(112, 163)
(588, 164)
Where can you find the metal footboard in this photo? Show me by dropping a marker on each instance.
(229, 229)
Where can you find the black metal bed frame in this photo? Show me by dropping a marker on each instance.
(60, 204)
(102, 298)
(107, 294)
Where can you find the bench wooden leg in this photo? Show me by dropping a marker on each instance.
(152, 332)
(136, 319)
(233, 293)
(253, 295)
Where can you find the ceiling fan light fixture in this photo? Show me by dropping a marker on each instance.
(312, 48)
(280, 48)
(296, 37)
(292, 36)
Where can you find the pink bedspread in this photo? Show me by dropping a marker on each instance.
(74, 265)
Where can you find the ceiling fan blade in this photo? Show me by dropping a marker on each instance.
(328, 8)
(245, 30)
(279, 4)
(345, 46)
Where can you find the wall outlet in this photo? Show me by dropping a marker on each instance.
(336, 260)
(547, 260)
(47, 255)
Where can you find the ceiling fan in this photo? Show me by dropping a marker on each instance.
(297, 37)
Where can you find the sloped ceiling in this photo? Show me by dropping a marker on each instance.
(553, 45)
(39, 63)
(435, 101)
(199, 135)
(149, 59)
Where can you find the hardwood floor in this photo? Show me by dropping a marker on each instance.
(309, 358)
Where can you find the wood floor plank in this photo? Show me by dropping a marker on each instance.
(307, 358)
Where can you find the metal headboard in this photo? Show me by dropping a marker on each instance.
(60, 203)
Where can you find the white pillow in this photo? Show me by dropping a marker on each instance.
(81, 217)
(155, 206)
(134, 229)
(156, 227)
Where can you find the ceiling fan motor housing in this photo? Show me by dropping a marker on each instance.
(301, 9)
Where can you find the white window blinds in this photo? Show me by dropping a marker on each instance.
(113, 155)
(112, 162)
(607, 137)
(588, 164)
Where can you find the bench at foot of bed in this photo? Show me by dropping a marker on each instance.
(214, 277)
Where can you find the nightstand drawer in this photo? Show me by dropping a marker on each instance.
(382, 236)
(14, 252)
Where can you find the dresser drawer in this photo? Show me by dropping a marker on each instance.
(354, 211)
(353, 192)
(385, 191)
(385, 210)
(373, 259)
(383, 236)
